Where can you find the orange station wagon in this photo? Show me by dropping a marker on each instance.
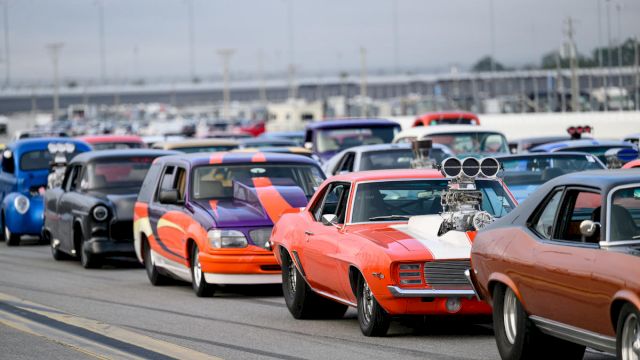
(374, 240)
(562, 271)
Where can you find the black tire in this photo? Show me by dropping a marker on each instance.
(628, 329)
(520, 339)
(56, 253)
(373, 319)
(301, 301)
(199, 284)
(10, 238)
(154, 275)
(88, 260)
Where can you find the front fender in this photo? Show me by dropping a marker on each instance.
(31, 222)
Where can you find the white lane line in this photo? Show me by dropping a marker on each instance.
(89, 336)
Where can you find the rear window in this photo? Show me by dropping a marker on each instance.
(116, 173)
(39, 160)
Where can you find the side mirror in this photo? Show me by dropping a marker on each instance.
(330, 220)
(308, 145)
(588, 228)
(169, 196)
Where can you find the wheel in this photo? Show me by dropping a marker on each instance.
(154, 275)
(56, 253)
(301, 301)
(88, 260)
(11, 239)
(518, 338)
(628, 333)
(200, 286)
(373, 319)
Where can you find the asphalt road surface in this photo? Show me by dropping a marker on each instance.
(58, 310)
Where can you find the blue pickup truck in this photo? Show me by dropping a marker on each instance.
(23, 181)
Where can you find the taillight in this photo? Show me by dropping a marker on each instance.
(410, 274)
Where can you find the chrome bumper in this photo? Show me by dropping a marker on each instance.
(430, 293)
(467, 274)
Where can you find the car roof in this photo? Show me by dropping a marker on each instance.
(447, 115)
(179, 144)
(542, 154)
(94, 139)
(251, 141)
(44, 141)
(383, 175)
(124, 153)
(340, 123)
(604, 180)
(579, 143)
(197, 159)
(422, 131)
(382, 147)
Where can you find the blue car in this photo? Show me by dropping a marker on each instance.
(23, 181)
(594, 147)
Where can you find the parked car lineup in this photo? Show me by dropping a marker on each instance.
(540, 236)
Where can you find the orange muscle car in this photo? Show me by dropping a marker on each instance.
(382, 242)
(562, 271)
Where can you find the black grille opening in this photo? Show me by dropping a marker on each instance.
(121, 231)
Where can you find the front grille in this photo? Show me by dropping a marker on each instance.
(260, 237)
(446, 272)
(121, 231)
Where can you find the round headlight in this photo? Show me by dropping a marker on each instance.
(21, 204)
(100, 213)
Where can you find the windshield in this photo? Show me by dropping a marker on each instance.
(472, 142)
(340, 139)
(525, 174)
(398, 200)
(217, 181)
(625, 215)
(213, 148)
(597, 151)
(116, 145)
(395, 159)
(40, 160)
(116, 173)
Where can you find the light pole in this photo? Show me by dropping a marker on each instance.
(363, 81)
(103, 56)
(54, 49)
(7, 58)
(620, 46)
(609, 55)
(192, 49)
(225, 55)
(291, 68)
(394, 13)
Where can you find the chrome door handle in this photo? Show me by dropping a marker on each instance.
(308, 233)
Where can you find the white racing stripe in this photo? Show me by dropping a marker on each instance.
(452, 245)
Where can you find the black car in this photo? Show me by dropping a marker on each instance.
(91, 215)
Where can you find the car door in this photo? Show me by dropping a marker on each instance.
(318, 254)
(65, 209)
(52, 201)
(169, 219)
(560, 287)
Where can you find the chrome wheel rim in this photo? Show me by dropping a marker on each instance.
(631, 338)
(510, 315)
(197, 271)
(367, 303)
(293, 278)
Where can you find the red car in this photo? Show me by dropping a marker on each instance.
(113, 142)
(447, 118)
(381, 241)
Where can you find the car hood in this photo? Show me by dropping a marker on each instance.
(261, 205)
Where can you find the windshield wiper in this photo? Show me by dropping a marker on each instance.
(389, 217)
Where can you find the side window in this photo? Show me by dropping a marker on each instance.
(180, 182)
(167, 180)
(346, 164)
(73, 181)
(578, 205)
(543, 224)
(148, 186)
(334, 202)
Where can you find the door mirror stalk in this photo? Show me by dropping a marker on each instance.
(330, 220)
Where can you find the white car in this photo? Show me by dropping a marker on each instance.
(461, 139)
(379, 157)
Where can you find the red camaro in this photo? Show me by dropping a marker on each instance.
(387, 242)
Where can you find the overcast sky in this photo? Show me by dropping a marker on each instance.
(327, 34)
